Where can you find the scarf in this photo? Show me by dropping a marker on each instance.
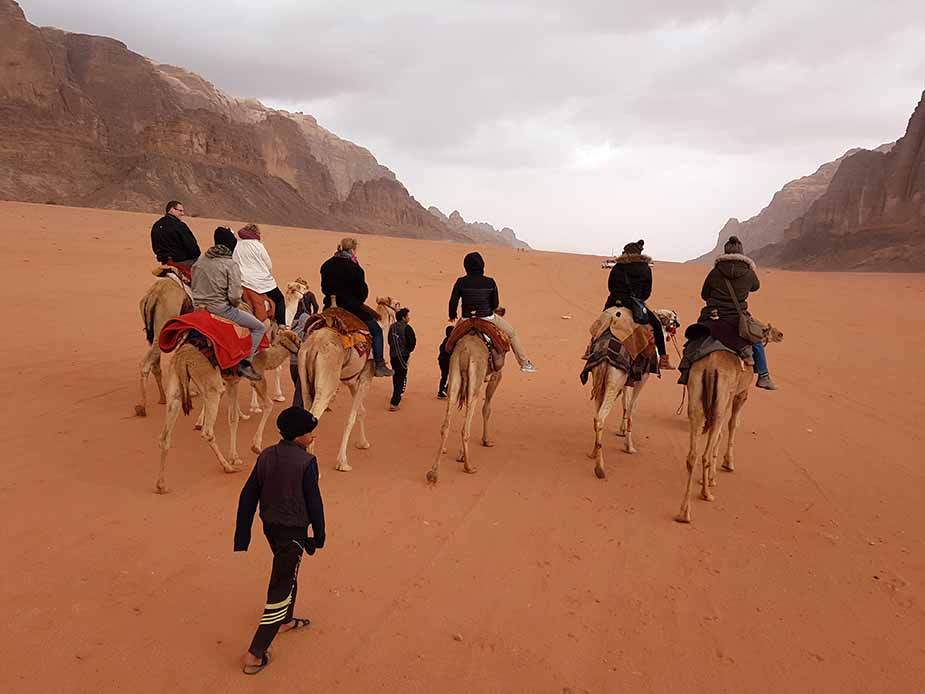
(348, 255)
(251, 234)
(218, 251)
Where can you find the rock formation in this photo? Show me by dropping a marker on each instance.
(84, 121)
(480, 232)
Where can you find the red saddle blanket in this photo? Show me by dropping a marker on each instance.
(231, 342)
(483, 327)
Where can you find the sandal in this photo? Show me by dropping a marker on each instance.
(298, 623)
(255, 669)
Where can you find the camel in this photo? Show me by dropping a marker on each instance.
(163, 301)
(718, 386)
(189, 365)
(324, 363)
(468, 374)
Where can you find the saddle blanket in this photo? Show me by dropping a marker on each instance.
(498, 339)
(353, 332)
(625, 355)
(230, 342)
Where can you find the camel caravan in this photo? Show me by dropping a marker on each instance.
(223, 319)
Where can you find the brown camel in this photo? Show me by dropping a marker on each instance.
(163, 301)
(607, 384)
(717, 387)
(468, 374)
(189, 365)
(324, 363)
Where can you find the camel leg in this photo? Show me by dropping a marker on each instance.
(627, 397)
(170, 421)
(277, 375)
(359, 391)
(696, 418)
(201, 418)
(630, 399)
(147, 365)
(260, 390)
(212, 397)
(158, 380)
(738, 403)
(714, 437)
(486, 408)
(452, 394)
(363, 443)
(233, 409)
(467, 428)
(256, 405)
(613, 385)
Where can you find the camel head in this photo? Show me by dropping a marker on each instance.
(289, 340)
(772, 334)
(388, 302)
(297, 287)
(669, 321)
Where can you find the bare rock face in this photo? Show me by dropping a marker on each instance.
(480, 232)
(871, 217)
(789, 203)
(85, 121)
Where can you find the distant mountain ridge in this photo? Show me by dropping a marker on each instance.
(482, 232)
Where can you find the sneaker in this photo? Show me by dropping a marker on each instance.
(383, 371)
(664, 363)
(528, 368)
(246, 370)
(764, 381)
(393, 408)
(441, 395)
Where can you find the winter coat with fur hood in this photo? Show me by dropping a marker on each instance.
(740, 271)
(631, 276)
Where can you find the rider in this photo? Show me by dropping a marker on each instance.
(171, 240)
(257, 269)
(631, 278)
(343, 278)
(479, 296)
(216, 287)
(739, 269)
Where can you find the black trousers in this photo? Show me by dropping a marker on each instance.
(297, 382)
(399, 381)
(444, 376)
(658, 332)
(286, 544)
(279, 310)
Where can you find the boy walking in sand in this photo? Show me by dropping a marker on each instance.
(443, 359)
(285, 484)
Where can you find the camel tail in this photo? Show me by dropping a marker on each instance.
(186, 399)
(465, 377)
(148, 306)
(708, 396)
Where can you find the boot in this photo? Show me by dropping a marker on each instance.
(664, 364)
(441, 395)
(246, 370)
(764, 381)
(383, 371)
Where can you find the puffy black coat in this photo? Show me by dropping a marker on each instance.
(631, 276)
(479, 294)
(740, 271)
(346, 280)
(172, 240)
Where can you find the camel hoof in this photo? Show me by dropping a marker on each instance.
(255, 448)
(599, 472)
(683, 518)
(162, 400)
(432, 477)
(162, 489)
(197, 427)
(706, 496)
(728, 468)
(631, 451)
(363, 446)
(470, 470)
(231, 469)
(621, 434)
(328, 409)
(255, 410)
(140, 411)
(279, 398)
(343, 467)
(488, 444)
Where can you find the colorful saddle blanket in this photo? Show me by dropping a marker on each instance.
(230, 342)
(631, 351)
(486, 329)
(353, 332)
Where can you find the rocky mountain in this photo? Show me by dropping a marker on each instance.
(84, 121)
(788, 204)
(481, 232)
(871, 216)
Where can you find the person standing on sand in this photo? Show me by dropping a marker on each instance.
(171, 240)
(443, 359)
(285, 484)
(479, 296)
(402, 342)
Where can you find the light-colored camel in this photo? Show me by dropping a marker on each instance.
(163, 301)
(718, 386)
(468, 374)
(189, 365)
(324, 364)
(608, 382)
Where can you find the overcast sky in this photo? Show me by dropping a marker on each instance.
(581, 124)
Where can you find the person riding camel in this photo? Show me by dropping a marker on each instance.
(630, 283)
(343, 278)
(257, 269)
(738, 270)
(479, 295)
(216, 287)
(171, 240)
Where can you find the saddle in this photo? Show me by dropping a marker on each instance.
(223, 342)
(258, 304)
(497, 342)
(353, 332)
(621, 342)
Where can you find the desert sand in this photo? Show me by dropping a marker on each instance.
(805, 575)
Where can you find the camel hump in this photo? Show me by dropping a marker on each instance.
(484, 329)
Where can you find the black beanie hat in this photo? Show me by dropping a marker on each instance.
(634, 248)
(225, 237)
(733, 245)
(294, 421)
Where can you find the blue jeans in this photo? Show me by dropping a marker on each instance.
(761, 359)
(245, 320)
(378, 342)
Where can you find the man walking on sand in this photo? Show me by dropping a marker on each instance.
(402, 342)
(285, 484)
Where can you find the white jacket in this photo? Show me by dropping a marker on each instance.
(256, 266)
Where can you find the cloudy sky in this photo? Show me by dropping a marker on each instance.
(581, 124)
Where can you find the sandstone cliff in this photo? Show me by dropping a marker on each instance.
(480, 232)
(85, 121)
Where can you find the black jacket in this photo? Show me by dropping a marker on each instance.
(631, 276)
(740, 271)
(346, 280)
(172, 240)
(285, 483)
(402, 342)
(479, 294)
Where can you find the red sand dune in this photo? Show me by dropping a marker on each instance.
(805, 575)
